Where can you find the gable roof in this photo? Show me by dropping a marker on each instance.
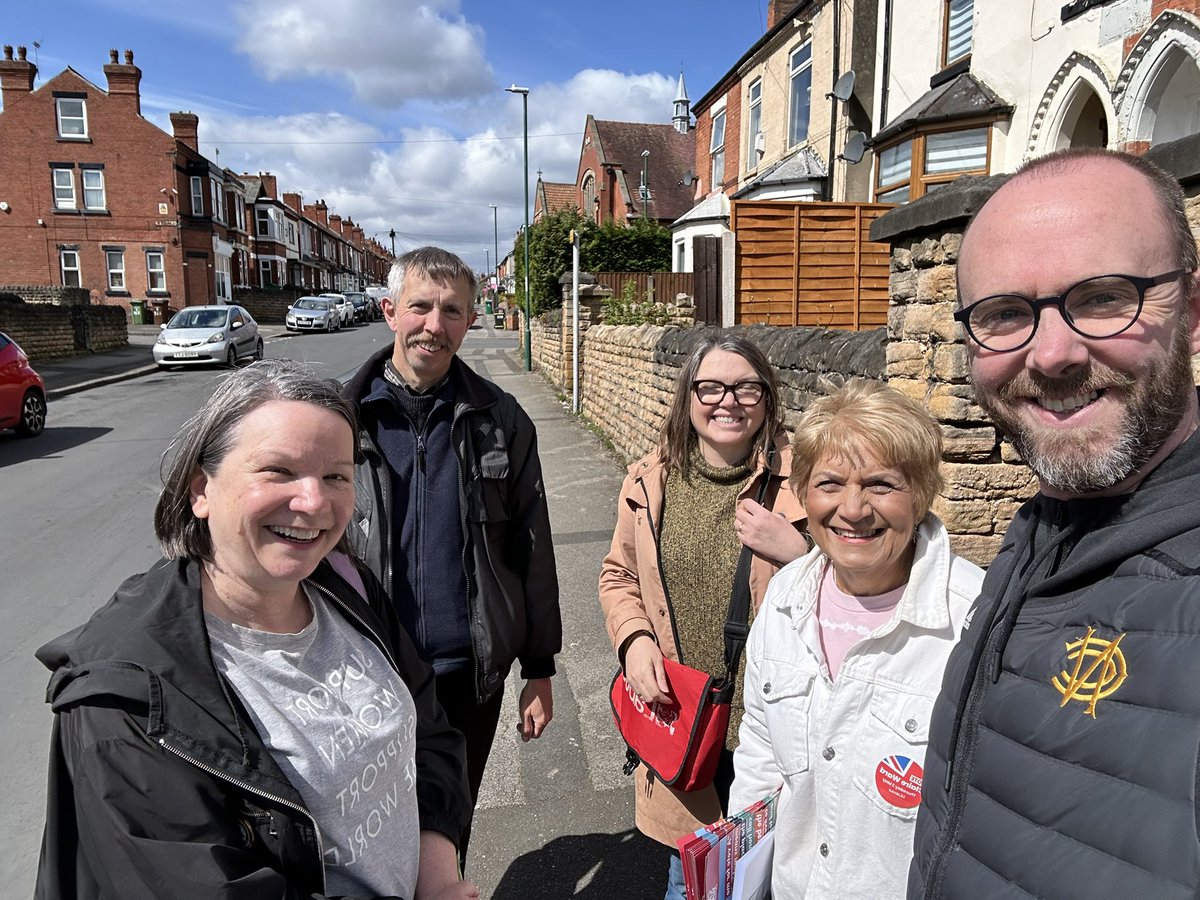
(672, 156)
(554, 195)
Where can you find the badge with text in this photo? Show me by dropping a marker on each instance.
(898, 780)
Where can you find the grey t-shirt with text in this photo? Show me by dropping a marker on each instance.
(341, 724)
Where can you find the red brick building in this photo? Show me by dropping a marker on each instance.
(617, 156)
(94, 195)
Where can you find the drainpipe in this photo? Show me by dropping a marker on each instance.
(887, 63)
(833, 103)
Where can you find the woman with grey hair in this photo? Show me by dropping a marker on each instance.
(684, 514)
(248, 719)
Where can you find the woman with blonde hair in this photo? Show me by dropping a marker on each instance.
(684, 514)
(846, 655)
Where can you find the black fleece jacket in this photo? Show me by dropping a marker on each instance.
(159, 785)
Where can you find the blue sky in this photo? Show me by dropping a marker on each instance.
(393, 111)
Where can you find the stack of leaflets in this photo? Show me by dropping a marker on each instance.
(731, 858)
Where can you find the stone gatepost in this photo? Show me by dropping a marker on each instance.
(592, 295)
(927, 359)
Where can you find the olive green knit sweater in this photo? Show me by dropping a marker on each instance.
(699, 557)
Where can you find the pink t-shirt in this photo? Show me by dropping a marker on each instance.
(844, 619)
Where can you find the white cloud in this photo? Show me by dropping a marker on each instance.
(412, 49)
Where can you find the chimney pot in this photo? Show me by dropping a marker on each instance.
(8, 51)
(21, 53)
(112, 56)
(129, 57)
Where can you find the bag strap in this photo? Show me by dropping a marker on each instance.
(737, 620)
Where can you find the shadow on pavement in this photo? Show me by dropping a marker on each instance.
(50, 442)
(628, 866)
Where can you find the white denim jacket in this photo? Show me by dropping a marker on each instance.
(849, 754)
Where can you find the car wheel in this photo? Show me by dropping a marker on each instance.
(259, 350)
(33, 415)
(231, 358)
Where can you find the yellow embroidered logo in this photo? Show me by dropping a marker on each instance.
(1103, 674)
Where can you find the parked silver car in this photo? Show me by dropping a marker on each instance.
(208, 334)
(344, 307)
(313, 314)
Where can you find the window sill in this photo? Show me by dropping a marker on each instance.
(65, 212)
(158, 294)
(81, 139)
(117, 294)
(96, 212)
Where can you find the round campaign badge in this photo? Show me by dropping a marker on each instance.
(898, 780)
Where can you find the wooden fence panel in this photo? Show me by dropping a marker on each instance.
(663, 286)
(809, 264)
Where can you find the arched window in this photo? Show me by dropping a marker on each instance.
(591, 203)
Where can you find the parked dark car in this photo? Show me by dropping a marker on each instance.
(362, 308)
(22, 391)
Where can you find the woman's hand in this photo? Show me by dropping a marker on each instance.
(768, 534)
(644, 670)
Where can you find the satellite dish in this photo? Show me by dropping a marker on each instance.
(855, 147)
(843, 89)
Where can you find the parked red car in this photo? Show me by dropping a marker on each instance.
(22, 391)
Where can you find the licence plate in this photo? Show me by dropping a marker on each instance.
(186, 354)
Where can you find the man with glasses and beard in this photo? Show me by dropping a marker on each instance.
(1064, 747)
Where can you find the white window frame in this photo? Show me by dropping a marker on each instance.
(93, 174)
(63, 180)
(196, 185)
(799, 67)
(266, 273)
(263, 224)
(754, 123)
(716, 148)
(223, 275)
(116, 273)
(218, 200)
(68, 262)
(156, 275)
(62, 118)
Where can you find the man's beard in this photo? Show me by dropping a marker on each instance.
(1081, 460)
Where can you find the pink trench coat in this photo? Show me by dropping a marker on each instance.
(633, 599)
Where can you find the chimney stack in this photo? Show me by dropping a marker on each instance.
(335, 222)
(777, 10)
(292, 200)
(124, 80)
(319, 212)
(269, 184)
(16, 75)
(185, 127)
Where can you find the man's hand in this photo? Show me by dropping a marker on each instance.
(536, 708)
(644, 670)
(437, 872)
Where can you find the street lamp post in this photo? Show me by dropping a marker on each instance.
(524, 92)
(496, 246)
(392, 235)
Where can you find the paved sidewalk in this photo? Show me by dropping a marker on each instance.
(71, 374)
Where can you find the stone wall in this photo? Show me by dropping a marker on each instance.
(629, 372)
(46, 331)
(926, 358)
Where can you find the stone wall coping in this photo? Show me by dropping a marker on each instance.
(955, 203)
(1181, 158)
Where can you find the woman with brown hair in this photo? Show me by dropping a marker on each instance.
(685, 512)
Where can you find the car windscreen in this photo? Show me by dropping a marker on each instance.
(312, 303)
(199, 318)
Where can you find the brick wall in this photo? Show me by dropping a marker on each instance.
(267, 307)
(46, 331)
